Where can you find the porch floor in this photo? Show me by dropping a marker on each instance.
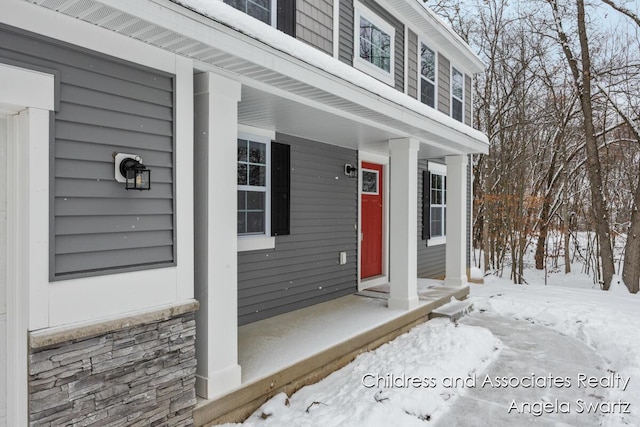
(286, 352)
(270, 345)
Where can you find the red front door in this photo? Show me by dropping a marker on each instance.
(371, 220)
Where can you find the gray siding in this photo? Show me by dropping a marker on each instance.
(412, 63)
(444, 85)
(467, 100)
(431, 260)
(345, 23)
(303, 269)
(105, 106)
(314, 23)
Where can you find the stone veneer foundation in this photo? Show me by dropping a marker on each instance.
(136, 371)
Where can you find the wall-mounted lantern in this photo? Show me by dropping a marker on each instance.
(350, 170)
(130, 170)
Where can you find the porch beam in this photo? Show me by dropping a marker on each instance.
(403, 226)
(456, 220)
(216, 258)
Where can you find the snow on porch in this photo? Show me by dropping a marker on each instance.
(289, 351)
(270, 345)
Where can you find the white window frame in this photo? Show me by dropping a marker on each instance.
(361, 11)
(422, 41)
(455, 97)
(254, 242)
(437, 169)
(273, 4)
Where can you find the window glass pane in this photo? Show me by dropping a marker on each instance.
(386, 63)
(436, 221)
(257, 152)
(444, 186)
(427, 93)
(375, 45)
(238, 4)
(242, 174)
(457, 84)
(242, 150)
(428, 63)
(242, 200)
(242, 223)
(255, 222)
(456, 109)
(259, 9)
(257, 175)
(255, 201)
(258, 12)
(369, 182)
(251, 212)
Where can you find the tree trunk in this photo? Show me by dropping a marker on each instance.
(631, 269)
(582, 80)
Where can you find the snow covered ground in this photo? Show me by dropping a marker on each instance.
(417, 378)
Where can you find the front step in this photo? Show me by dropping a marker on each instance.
(453, 310)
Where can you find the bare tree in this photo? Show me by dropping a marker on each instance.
(581, 71)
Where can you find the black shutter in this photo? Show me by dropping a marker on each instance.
(286, 19)
(280, 188)
(426, 205)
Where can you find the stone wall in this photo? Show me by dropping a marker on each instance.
(141, 375)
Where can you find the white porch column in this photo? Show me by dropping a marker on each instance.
(216, 258)
(456, 219)
(403, 224)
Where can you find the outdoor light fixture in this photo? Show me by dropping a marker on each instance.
(350, 170)
(130, 170)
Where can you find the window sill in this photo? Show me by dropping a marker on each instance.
(435, 241)
(373, 71)
(257, 243)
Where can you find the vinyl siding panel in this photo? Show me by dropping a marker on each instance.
(412, 63)
(105, 105)
(399, 41)
(303, 269)
(314, 23)
(431, 260)
(444, 85)
(345, 26)
(467, 100)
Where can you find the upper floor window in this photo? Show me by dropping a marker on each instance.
(374, 38)
(427, 76)
(457, 94)
(264, 10)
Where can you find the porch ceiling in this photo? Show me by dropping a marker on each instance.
(289, 95)
(268, 111)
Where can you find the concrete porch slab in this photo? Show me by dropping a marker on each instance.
(287, 352)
